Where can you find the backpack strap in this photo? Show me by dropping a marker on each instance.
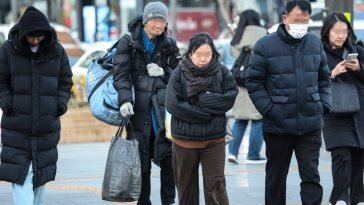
(99, 84)
(101, 61)
(172, 51)
(129, 37)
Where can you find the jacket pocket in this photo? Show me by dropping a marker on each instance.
(6, 104)
(317, 99)
(7, 108)
(62, 108)
(279, 99)
(277, 106)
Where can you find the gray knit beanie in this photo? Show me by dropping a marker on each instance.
(154, 10)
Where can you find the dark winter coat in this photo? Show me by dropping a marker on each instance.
(34, 92)
(346, 130)
(288, 81)
(205, 119)
(131, 79)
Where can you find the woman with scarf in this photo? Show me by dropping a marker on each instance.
(344, 133)
(199, 93)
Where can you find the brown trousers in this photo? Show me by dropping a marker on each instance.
(186, 163)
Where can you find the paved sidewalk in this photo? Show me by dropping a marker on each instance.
(81, 167)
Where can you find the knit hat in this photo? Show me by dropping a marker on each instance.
(154, 10)
(33, 20)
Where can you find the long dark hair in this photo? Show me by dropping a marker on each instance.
(247, 18)
(330, 22)
(198, 40)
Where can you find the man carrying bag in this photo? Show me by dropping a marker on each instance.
(122, 178)
(140, 75)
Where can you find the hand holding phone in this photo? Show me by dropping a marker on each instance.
(352, 62)
(351, 57)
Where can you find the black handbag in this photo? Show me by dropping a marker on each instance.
(345, 98)
(122, 178)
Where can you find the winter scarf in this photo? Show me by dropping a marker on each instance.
(198, 79)
(149, 44)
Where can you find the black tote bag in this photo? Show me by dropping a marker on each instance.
(345, 99)
(122, 178)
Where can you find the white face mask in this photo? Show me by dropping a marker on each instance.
(297, 31)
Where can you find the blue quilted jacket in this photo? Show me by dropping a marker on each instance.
(288, 81)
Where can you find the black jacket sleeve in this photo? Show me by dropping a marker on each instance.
(64, 83)
(360, 74)
(255, 78)
(220, 103)
(324, 78)
(6, 99)
(180, 108)
(122, 78)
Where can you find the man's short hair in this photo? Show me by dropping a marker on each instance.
(304, 5)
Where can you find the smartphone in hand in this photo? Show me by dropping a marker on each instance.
(351, 57)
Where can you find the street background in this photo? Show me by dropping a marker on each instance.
(86, 28)
(81, 168)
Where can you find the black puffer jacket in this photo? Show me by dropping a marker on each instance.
(288, 81)
(206, 119)
(131, 73)
(34, 92)
(346, 130)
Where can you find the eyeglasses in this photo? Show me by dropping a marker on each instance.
(36, 38)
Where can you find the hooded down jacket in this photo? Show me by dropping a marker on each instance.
(34, 92)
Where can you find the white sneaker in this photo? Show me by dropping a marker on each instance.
(231, 158)
(360, 203)
(341, 202)
(260, 160)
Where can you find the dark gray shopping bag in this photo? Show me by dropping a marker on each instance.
(122, 179)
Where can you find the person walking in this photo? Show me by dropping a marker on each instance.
(199, 93)
(140, 78)
(35, 86)
(288, 81)
(344, 133)
(246, 35)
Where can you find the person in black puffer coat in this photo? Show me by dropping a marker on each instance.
(199, 93)
(344, 133)
(288, 81)
(142, 71)
(35, 85)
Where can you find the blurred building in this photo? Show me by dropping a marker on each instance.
(4, 10)
(103, 20)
